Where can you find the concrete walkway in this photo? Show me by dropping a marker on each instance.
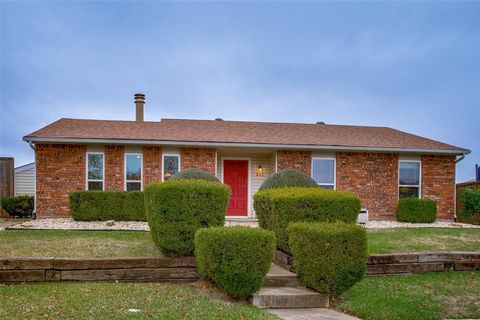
(283, 295)
(310, 314)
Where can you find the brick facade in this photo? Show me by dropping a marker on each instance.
(201, 158)
(373, 177)
(114, 167)
(152, 164)
(297, 160)
(438, 183)
(60, 169)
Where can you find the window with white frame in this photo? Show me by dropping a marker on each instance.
(171, 165)
(95, 170)
(409, 179)
(133, 171)
(323, 172)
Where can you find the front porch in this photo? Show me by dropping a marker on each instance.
(244, 170)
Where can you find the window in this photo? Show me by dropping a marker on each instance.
(171, 165)
(323, 172)
(409, 179)
(95, 171)
(133, 172)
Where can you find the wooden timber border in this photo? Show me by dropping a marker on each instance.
(407, 263)
(183, 269)
(144, 269)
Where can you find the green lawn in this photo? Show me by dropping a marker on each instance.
(138, 243)
(113, 301)
(425, 296)
(76, 244)
(423, 239)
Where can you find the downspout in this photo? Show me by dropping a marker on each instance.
(34, 215)
(455, 190)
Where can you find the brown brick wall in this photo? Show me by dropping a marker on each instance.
(152, 164)
(114, 167)
(373, 177)
(297, 160)
(438, 183)
(60, 170)
(201, 158)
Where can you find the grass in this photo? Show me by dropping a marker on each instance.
(138, 243)
(422, 239)
(113, 301)
(76, 244)
(425, 296)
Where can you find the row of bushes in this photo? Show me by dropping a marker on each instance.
(107, 205)
(277, 208)
(18, 206)
(416, 210)
(120, 205)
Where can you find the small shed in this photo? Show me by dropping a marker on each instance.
(25, 180)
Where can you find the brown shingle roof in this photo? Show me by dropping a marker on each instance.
(196, 131)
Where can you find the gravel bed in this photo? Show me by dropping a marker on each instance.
(70, 224)
(385, 224)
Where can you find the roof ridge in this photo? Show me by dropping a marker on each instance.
(274, 122)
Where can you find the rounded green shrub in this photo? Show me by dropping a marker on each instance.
(416, 210)
(107, 205)
(235, 258)
(277, 208)
(176, 209)
(18, 206)
(194, 173)
(288, 178)
(470, 201)
(328, 257)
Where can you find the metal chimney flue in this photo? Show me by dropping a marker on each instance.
(139, 106)
(477, 172)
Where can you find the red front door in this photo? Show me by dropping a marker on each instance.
(235, 174)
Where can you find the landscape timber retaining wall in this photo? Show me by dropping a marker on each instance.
(154, 269)
(407, 263)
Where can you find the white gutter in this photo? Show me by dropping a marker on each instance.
(242, 144)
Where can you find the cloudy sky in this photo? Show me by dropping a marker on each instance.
(412, 66)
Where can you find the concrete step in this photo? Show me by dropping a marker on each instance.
(311, 314)
(279, 277)
(289, 298)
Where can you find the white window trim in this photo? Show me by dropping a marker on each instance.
(125, 170)
(170, 154)
(419, 186)
(103, 171)
(334, 171)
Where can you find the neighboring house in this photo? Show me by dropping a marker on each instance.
(25, 180)
(378, 164)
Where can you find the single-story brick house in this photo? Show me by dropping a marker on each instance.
(378, 164)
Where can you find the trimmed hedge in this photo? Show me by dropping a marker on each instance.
(416, 210)
(276, 208)
(176, 209)
(18, 206)
(288, 178)
(107, 205)
(194, 173)
(470, 201)
(329, 257)
(235, 258)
